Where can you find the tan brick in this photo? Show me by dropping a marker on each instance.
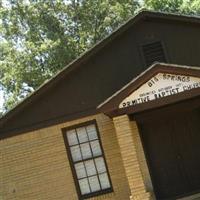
(35, 166)
(127, 133)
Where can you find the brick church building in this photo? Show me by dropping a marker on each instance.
(121, 122)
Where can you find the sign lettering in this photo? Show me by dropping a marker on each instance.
(160, 86)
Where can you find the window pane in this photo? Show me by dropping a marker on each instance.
(100, 165)
(87, 159)
(86, 152)
(92, 133)
(104, 181)
(76, 153)
(72, 138)
(90, 167)
(84, 186)
(82, 135)
(96, 149)
(94, 183)
(80, 170)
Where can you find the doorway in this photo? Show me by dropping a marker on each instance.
(172, 148)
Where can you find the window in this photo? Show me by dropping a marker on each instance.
(153, 52)
(87, 160)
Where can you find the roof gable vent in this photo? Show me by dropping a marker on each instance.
(153, 52)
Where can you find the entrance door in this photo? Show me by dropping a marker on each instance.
(172, 146)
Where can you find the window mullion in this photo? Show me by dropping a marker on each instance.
(87, 176)
(89, 181)
(83, 161)
(84, 142)
(95, 163)
(93, 158)
(97, 174)
(79, 145)
(100, 156)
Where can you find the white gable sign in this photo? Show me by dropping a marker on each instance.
(160, 86)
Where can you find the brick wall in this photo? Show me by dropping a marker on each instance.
(127, 134)
(35, 166)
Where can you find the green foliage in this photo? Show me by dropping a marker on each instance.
(39, 38)
(164, 5)
(174, 6)
(191, 7)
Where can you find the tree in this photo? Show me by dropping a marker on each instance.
(174, 6)
(39, 38)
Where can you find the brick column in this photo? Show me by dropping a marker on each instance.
(124, 132)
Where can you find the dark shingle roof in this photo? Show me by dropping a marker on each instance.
(143, 15)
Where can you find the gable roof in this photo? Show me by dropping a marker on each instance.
(111, 106)
(144, 15)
